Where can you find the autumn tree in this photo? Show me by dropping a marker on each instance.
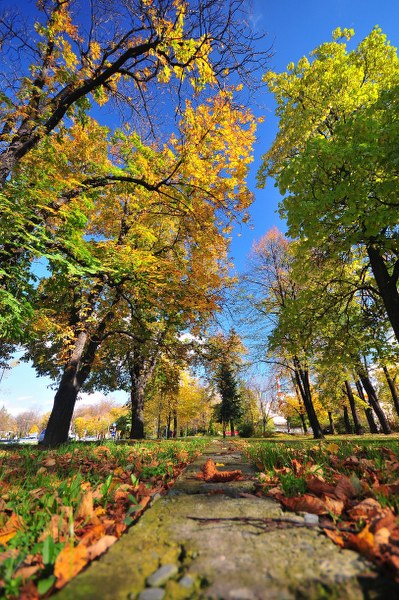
(142, 255)
(72, 57)
(332, 158)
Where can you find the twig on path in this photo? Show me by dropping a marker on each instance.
(267, 523)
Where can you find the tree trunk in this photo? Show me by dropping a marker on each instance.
(175, 423)
(349, 393)
(232, 432)
(302, 380)
(303, 421)
(159, 425)
(368, 411)
(330, 420)
(387, 286)
(373, 399)
(137, 393)
(348, 427)
(72, 379)
(392, 389)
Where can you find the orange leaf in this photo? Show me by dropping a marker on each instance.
(297, 466)
(363, 542)
(85, 509)
(335, 536)
(10, 529)
(49, 462)
(305, 503)
(69, 563)
(333, 505)
(92, 536)
(101, 546)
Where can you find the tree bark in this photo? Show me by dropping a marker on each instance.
(232, 431)
(368, 411)
(175, 423)
(137, 393)
(75, 374)
(373, 399)
(352, 404)
(387, 285)
(392, 389)
(331, 422)
(302, 380)
(348, 427)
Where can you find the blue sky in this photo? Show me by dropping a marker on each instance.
(295, 28)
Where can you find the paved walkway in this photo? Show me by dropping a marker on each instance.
(217, 541)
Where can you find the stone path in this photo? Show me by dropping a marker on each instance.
(210, 541)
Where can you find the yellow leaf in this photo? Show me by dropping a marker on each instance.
(333, 448)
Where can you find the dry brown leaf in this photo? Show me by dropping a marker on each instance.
(101, 546)
(29, 592)
(49, 462)
(297, 466)
(345, 489)
(305, 503)
(366, 509)
(26, 572)
(382, 536)
(319, 486)
(334, 505)
(69, 563)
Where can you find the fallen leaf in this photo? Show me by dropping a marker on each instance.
(92, 535)
(366, 509)
(345, 489)
(49, 462)
(363, 542)
(335, 536)
(211, 474)
(29, 592)
(69, 563)
(305, 503)
(297, 466)
(85, 509)
(26, 572)
(101, 546)
(319, 486)
(10, 529)
(382, 536)
(334, 506)
(332, 448)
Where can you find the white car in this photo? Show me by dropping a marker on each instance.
(28, 439)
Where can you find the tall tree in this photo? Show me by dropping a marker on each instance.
(230, 407)
(332, 158)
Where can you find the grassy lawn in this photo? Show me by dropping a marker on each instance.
(351, 482)
(60, 509)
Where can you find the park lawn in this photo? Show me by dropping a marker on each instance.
(352, 483)
(61, 509)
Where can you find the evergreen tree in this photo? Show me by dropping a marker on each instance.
(230, 408)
